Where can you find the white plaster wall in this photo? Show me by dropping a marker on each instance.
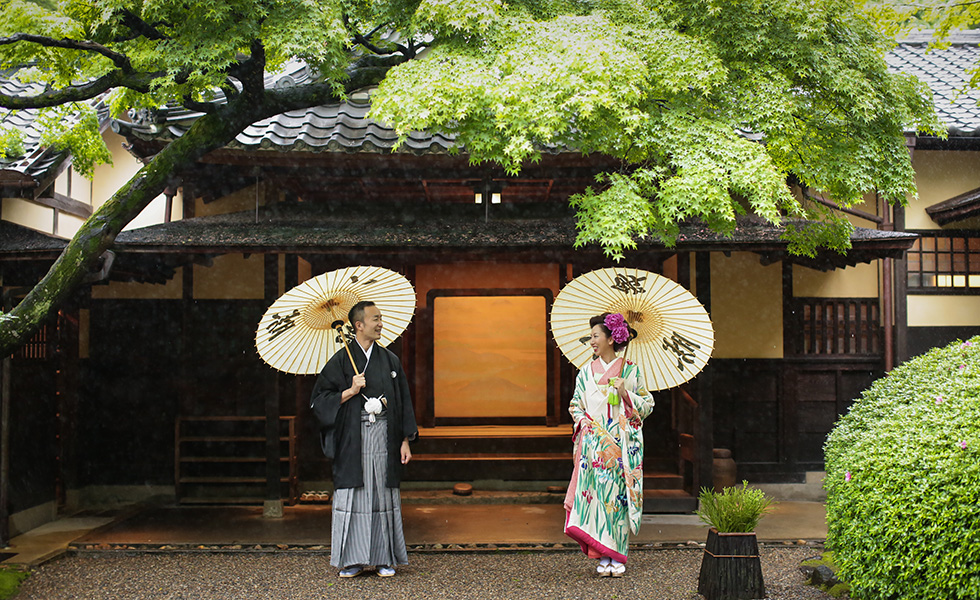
(940, 175)
(860, 281)
(108, 178)
(943, 311)
(232, 276)
(28, 214)
(746, 307)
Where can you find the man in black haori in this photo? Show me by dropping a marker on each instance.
(367, 420)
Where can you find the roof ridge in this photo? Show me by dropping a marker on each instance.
(926, 36)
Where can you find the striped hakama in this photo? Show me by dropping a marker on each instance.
(367, 521)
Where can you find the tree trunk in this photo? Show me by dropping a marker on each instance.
(730, 568)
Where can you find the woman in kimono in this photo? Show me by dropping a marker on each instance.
(605, 496)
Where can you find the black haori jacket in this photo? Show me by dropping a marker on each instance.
(340, 424)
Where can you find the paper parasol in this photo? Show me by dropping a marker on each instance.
(674, 334)
(295, 334)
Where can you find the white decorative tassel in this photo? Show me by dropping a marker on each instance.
(373, 407)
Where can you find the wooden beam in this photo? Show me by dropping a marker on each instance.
(65, 204)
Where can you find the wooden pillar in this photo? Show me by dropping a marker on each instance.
(789, 316)
(887, 293)
(901, 287)
(705, 432)
(272, 508)
(4, 451)
(787, 448)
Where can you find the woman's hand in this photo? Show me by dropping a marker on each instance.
(620, 384)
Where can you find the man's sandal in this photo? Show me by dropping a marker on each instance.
(351, 571)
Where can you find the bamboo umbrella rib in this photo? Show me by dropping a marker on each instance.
(310, 340)
(303, 341)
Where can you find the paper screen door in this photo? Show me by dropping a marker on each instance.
(490, 356)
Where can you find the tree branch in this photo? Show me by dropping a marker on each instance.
(365, 41)
(229, 88)
(251, 72)
(78, 93)
(98, 233)
(204, 107)
(208, 133)
(141, 27)
(120, 60)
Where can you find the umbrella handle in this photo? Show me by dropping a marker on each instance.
(339, 326)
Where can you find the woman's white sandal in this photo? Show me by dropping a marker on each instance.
(616, 569)
(603, 568)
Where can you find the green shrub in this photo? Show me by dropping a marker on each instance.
(10, 581)
(734, 510)
(903, 481)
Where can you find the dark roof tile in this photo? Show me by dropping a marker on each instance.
(305, 227)
(24, 242)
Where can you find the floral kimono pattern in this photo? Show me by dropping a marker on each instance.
(605, 497)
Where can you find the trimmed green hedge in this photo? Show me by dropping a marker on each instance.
(903, 481)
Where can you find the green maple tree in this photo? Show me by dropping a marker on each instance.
(713, 104)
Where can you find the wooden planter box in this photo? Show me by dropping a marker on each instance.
(730, 568)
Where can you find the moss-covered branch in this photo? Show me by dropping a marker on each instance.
(98, 233)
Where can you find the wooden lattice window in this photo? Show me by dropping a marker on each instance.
(838, 326)
(38, 347)
(945, 264)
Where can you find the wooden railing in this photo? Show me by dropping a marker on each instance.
(222, 460)
(838, 326)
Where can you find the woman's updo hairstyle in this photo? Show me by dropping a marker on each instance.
(616, 327)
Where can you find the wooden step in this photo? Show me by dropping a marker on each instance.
(523, 466)
(661, 480)
(497, 431)
(228, 459)
(494, 456)
(668, 501)
(201, 480)
(206, 439)
(222, 500)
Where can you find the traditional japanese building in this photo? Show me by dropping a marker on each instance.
(149, 383)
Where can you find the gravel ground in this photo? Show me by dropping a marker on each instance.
(651, 574)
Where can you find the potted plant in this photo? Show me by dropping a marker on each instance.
(730, 567)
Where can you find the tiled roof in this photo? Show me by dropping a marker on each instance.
(24, 242)
(37, 160)
(399, 227)
(342, 127)
(345, 127)
(946, 71)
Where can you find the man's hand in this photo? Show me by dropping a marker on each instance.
(357, 384)
(406, 452)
